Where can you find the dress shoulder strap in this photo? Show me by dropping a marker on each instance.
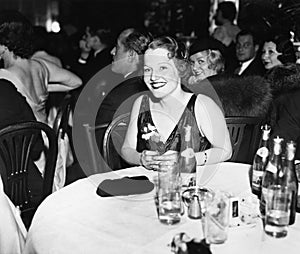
(144, 104)
(191, 104)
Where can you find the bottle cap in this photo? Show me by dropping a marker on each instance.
(266, 131)
(290, 150)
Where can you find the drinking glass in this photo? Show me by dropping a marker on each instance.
(169, 195)
(278, 200)
(216, 218)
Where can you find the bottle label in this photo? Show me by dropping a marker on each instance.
(257, 178)
(188, 153)
(263, 152)
(271, 168)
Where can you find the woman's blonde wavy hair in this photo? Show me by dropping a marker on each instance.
(177, 52)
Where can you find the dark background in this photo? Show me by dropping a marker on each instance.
(168, 16)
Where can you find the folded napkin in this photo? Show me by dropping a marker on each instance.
(125, 186)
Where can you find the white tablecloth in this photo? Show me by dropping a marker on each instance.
(12, 230)
(76, 220)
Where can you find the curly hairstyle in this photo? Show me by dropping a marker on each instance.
(177, 52)
(215, 60)
(16, 33)
(136, 40)
(284, 46)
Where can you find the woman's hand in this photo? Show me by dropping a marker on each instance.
(167, 158)
(147, 160)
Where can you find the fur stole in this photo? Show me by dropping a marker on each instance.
(284, 79)
(244, 96)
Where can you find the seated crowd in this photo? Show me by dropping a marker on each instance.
(164, 85)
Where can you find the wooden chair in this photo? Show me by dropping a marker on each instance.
(245, 135)
(20, 145)
(93, 160)
(63, 131)
(61, 122)
(113, 140)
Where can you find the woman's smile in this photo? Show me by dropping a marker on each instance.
(158, 84)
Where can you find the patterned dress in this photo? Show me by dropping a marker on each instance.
(148, 137)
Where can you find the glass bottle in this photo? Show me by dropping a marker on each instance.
(289, 178)
(260, 161)
(187, 156)
(270, 176)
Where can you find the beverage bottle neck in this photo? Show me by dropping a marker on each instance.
(266, 132)
(276, 156)
(263, 150)
(290, 162)
(275, 164)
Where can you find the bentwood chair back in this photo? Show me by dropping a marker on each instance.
(63, 131)
(94, 139)
(61, 122)
(113, 140)
(245, 136)
(20, 145)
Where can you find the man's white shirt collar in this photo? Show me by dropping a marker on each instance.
(245, 65)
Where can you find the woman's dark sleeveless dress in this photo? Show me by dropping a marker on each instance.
(174, 141)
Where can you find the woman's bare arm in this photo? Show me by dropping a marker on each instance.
(128, 151)
(211, 122)
(60, 79)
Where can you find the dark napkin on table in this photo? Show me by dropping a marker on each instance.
(125, 186)
(183, 244)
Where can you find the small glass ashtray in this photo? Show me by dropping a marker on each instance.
(201, 192)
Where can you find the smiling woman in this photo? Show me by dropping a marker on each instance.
(278, 50)
(168, 110)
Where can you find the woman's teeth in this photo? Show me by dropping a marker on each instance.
(157, 85)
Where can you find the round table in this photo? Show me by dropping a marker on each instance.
(76, 220)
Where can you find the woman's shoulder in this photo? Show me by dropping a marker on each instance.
(206, 103)
(204, 98)
(39, 65)
(141, 99)
(139, 103)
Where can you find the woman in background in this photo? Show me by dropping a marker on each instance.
(206, 60)
(33, 77)
(277, 50)
(158, 119)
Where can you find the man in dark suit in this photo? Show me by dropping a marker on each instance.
(247, 48)
(287, 125)
(130, 47)
(95, 53)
